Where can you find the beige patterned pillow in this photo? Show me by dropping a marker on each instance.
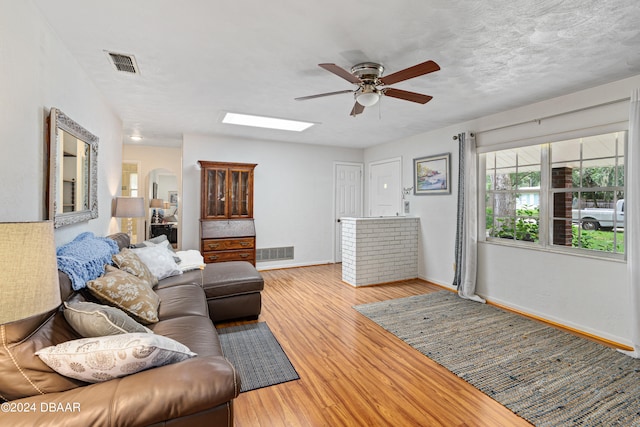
(128, 261)
(127, 292)
(104, 358)
(94, 320)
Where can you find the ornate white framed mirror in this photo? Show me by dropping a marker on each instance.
(72, 193)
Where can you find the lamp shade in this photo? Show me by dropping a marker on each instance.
(156, 203)
(129, 207)
(28, 270)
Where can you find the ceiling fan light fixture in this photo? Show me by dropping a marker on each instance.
(372, 84)
(368, 97)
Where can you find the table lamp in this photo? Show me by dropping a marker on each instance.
(157, 204)
(28, 270)
(129, 207)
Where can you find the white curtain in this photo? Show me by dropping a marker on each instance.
(466, 244)
(632, 216)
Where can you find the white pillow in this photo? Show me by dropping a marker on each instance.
(190, 260)
(159, 241)
(158, 260)
(103, 358)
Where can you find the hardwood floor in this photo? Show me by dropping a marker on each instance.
(352, 372)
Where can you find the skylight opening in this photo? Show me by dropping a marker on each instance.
(265, 122)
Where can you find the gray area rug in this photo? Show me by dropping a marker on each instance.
(257, 356)
(547, 376)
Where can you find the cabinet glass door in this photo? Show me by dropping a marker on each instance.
(239, 193)
(217, 197)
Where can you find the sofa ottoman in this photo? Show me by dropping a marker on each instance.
(232, 289)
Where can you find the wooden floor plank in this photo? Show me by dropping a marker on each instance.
(352, 372)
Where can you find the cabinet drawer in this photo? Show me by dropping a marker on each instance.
(228, 256)
(226, 244)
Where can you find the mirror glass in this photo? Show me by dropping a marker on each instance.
(163, 204)
(75, 155)
(73, 159)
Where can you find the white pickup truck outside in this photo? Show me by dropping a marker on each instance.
(596, 218)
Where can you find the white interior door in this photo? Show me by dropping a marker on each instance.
(348, 198)
(385, 190)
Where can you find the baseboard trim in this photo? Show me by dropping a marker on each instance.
(588, 335)
(288, 266)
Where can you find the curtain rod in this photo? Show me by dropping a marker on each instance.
(538, 120)
(471, 134)
(604, 104)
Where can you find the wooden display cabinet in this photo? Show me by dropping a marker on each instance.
(227, 232)
(227, 190)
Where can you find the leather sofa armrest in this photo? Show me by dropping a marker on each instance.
(144, 398)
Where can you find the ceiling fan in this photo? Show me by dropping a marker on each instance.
(372, 85)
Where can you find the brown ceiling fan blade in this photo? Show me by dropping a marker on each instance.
(341, 72)
(357, 109)
(320, 95)
(407, 96)
(411, 72)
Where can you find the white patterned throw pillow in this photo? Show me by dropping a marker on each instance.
(104, 358)
(158, 260)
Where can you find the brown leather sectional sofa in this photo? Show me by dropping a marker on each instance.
(195, 392)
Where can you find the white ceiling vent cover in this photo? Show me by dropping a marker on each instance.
(123, 62)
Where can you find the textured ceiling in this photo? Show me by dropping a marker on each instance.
(198, 58)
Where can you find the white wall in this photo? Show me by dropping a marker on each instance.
(438, 212)
(37, 73)
(293, 193)
(584, 293)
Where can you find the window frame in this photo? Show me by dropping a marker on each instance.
(515, 190)
(546, 214)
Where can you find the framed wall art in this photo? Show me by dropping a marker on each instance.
(432, 175)
(173, 198)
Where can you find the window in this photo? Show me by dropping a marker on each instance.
(513, 193)
(566, 195)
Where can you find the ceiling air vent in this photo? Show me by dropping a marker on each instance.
(124, 63)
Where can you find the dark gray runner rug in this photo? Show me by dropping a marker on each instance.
(257, 356)
(547, 376)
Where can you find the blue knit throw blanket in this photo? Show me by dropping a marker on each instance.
(83, 258)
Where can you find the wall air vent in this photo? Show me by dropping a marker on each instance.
(274, 254)
(123, 62)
